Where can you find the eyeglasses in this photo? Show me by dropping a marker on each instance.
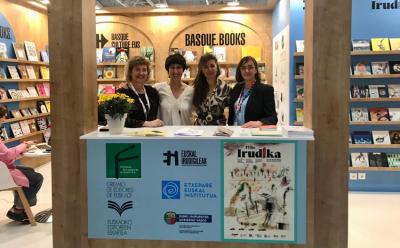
(248, 68)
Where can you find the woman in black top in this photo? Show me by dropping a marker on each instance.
(251, 102)
(145, 107)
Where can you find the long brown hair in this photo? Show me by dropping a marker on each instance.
(200, 82)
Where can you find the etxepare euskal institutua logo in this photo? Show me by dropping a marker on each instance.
(123, 160)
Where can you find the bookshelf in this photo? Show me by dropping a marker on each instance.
(22, 137)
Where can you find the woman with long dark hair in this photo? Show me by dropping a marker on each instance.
(210, 93)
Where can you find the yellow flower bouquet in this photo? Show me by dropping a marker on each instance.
(115, 105)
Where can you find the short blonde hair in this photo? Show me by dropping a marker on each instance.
(132, 63)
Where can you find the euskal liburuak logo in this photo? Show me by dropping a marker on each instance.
(120, 209)
(375, 5)
(184, 158)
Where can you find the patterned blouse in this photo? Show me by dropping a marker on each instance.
(211, 111)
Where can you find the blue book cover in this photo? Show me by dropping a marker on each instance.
(362, 137)
(109, 54)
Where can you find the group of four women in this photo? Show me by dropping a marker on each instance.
(251, 103)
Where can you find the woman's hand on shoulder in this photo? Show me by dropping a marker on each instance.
(252, 124)
(154, 123)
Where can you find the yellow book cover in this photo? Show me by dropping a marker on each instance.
(299, 114)
(208, 49)
(47, 103)
(395, 44)
(380, 44)
(254, 51)
(44, 71)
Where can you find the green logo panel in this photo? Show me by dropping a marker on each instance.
(123, 160)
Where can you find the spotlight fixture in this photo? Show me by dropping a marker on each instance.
(233, 3)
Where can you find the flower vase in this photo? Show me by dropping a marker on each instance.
(116, 124)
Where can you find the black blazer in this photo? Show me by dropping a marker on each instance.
(136, 116)
(260, 106)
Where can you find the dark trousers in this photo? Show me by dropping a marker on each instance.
(35, 183)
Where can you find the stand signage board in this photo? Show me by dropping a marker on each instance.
(197, 190)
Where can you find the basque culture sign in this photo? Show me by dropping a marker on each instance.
(207, 190)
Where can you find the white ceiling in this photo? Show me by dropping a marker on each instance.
(148, 3)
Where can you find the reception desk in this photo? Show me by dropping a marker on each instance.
(241, 188)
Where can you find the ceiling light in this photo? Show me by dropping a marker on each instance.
(45, 1)
(161, 5)
(233, 3)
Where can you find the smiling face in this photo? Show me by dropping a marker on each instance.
(210, 69)
(139, 74)
(175, 72)
(248, 71)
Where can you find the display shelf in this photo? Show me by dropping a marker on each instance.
(374, 146)
(116, 64)
(227, 63)
(25, 118)
(24, 136)
(374, 168)
(366, 123)
(361, 53)
(24, 80)
(298, 100)
(376, 76)
(298, 76)
(25, 99)
(298, 123)
(382, 99)
(119, 80)
(23, 61)
(299, 54)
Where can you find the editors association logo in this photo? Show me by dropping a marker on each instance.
(123, 160)
(120, 209)
(170, 189)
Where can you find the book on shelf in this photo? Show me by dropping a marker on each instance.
(299, 114)
(175, 50)
(109, 72)
(220, 53)
(31, 72)
(393, 159)
(232, 71)
(34, 111)
(122, 54)
(395, 44)
(40, 89)
(16, 113)
(362, 68)
(16, 129)
(379, 114)
(32, 91)
(253, 51)
(32, 125)
(3, 93)
(99, 73)
(360, 91)
(300, 69)
(44, 56)
(105, 89)
(300, 92)
(381, 67)
(31, 51)
(13, 72)
(48, 105)
(359, 114)
(394, 114)
(382, 91)
(208, 49)
(25, 127)
(3, 74)
(223, 72)
(13, 94)
(381, 137)
(186, 73)
(25, 93)
(190, 56)
(393, 90)
(22, 71)
(41, 106)
(394, 67)
(99, 55)
(374, 90)
(359, 159)
(109, 54)
(25, 112)
(20, 94)
(41, 123)
(4, 135)
(394, 136)
(360, 45)
(19, 51)
(3, 50)
(380, 44)
(300, 46)
(148, 53)
(44, 72)
(361, 137)
(377, 159)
